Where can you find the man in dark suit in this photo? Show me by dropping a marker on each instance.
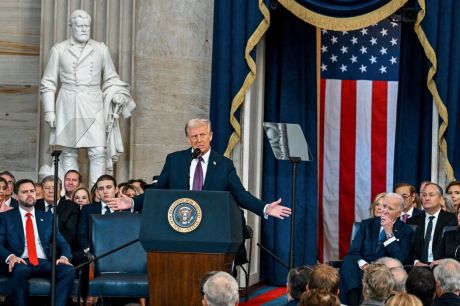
(205, 170)
(407, 191)
(427, 245)
(377, 237)
(447, 276)
(11, 180)
(25, 239)
(106, 187)
(68, 211)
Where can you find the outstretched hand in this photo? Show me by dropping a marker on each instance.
(276, 210)
(121, 203)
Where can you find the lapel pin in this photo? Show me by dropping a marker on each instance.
(214, 163)
(41, 219)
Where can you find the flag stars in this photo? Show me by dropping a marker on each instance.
(344, 32)
(373, 59)
(343, 68)
(393, 41)
(363, 68)
(364, 31)
(344, 49)
(334, 39)
(384, 32)
(324, 31)
(393, 60)
(354, 40)
(353, 59)
(394, 24)
(383, 50)
(383, 69)
(333, 58)
(363, 50)
(324, 49)
(323, 67)
(373, 41)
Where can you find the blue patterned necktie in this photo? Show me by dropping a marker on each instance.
(198, 176)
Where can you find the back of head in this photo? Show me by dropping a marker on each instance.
(319, 297)
(221, 289)
(324, 277)
(403, 299)
(399, 277)
(420, 282)
(447, 275)
(378, 282)
(390, 262)
(297, 281)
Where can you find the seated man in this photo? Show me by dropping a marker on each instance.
(28, 252)
(324, 277)
(377, 237)
(420, 282)
(220, 289)
(297, 281)
(378, 285)
(447, 276)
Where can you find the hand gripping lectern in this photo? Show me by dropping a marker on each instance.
(186, 234)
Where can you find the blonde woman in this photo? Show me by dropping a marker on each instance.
(403, 299)
(376, 208)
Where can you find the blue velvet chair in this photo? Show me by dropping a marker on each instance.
(123, 273)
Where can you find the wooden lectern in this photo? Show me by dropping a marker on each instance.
(186, 234)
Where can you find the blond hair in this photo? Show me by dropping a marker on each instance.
(403, 299)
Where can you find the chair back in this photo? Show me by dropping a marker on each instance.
(111, 231)
(448, 228)
(354, 229)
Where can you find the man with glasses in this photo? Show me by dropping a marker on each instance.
(408, 193)
(11, 180)
(428, 237)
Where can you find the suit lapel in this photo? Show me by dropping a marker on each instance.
(41, 227)
(375, 232)
(86, 51)
(211, 169)
(19, 227)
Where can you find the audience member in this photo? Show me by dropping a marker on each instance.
(409, 194)
(3, 195)
(319, 297)
(428, 237)
(390, 262)
(39, 190)
(420, 282)
(81, 196)
(450, 246)
(403, 299)
(67, 210)
(204, 279)
(221, 289)
(375, 210)
(10, 179)
(297, 281)
(420, 190)
(446, 204)
(129, 190)
(378, 284)
(453, 190)
(447, 276)
(399, 277)
(31, 256)
(377, 237)
(72, 180)
(324, 277)
(139, 184)
(94, 195)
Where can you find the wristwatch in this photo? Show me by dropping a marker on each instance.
(390, 235)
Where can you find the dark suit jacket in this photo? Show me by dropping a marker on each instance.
(365, 246)
(416, 212)
(444, 219)
(12, 240)
(220, 176)
(68, 213)
(447, 299)
(83, 224)
(14, 203)
(450, 243)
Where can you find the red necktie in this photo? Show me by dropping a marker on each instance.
(30, 237)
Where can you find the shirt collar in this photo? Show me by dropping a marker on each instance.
(24, 212)
(436, 214)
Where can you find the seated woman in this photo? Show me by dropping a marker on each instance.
(453, 190)
(375, 210)
(451, 241)
(3, 189)
(81, 196)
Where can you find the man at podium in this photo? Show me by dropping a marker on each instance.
(201, 168)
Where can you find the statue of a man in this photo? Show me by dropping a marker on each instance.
(90, 100)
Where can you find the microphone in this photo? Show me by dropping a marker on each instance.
(196, 152)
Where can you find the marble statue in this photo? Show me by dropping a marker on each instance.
(89, 102)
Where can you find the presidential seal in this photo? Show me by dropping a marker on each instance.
(184, 215)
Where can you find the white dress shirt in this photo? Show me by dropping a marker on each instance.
(204, 166)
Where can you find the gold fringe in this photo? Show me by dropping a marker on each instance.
(342, 24)
(431, 84)
(239, 97)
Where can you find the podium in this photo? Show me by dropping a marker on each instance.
(186, 234)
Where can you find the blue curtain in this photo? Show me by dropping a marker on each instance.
(290, 96)
(441, 25)
(415, 106)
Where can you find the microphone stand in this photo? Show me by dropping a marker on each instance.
(55, 155)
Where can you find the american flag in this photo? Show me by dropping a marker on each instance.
(358, 96)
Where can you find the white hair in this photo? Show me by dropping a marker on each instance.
(447, 275)
(221, 289)
(396, 196)
(192, 123)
